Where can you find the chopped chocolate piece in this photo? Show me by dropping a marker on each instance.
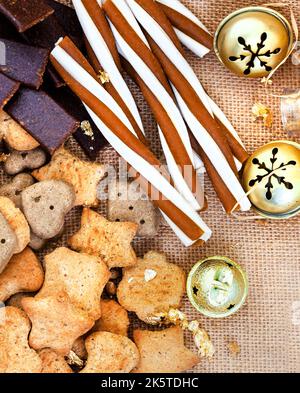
(25, 13)
(42, 118)
(24, 63)
(88, 136)
(67, 18)
(45, 34)
(8, 88)
(7, 30)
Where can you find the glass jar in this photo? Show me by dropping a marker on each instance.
(290, 110)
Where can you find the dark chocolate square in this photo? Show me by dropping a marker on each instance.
(67, 18)
(24, 14)
(42, 118)
(24, 63)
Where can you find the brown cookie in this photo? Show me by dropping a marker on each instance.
(82, 277)
(111, 241)
(114, 318)
(45, 205)
(110, 353)
(19, 161)
(53, 363)
(56, 322)
(126, 203)
(15, 354)
(23, 273)
(84, 176)
(8, 242)
(13, 189)
(14, 134)
(163, 351)
(152, 286)
(17, 222)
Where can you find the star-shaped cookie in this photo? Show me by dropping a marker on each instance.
(114, 318)
(15, 354)
(56, 322)
(23, 273)
(111, 241)
(163, 351)
(82, 175)
(81, 276)
(110, 353)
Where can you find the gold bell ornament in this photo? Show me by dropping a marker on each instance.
(253, 41)
(271, 176)
(217, 287)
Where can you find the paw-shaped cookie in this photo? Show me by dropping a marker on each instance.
(152, 286)
(8, 242)
(13, 189)
(56, 322)
(23, 273)
(15, 354)
(110, 353)
(126, 203)
(17, 222)
(19, 161)
(45, 205)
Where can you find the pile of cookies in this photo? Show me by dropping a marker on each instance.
(70, 313)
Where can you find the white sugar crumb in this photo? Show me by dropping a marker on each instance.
(130, 280)
(149, 274)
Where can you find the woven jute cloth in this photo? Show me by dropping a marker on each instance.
(267, 328)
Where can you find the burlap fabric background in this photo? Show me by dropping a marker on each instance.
(266, 327)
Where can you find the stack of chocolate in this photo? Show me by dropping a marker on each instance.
(31, 91)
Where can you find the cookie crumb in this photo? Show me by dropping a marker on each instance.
(103, 77)
(260, 111)
(233, 348)
(149, 274)
(87, 129)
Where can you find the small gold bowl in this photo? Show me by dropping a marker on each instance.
(217, 287)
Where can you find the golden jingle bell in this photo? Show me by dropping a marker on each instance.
(217, 287)
(272, 178)
(253, 41)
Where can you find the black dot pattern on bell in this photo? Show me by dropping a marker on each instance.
(258, 54)
(272, 176)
